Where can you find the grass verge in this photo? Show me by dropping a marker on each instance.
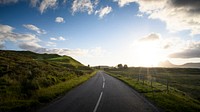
(43, 95)
(47, 94)
(172, 101)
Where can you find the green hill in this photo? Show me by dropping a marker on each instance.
(25, 77)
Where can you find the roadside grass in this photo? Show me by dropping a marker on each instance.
(47, 94)
(29, 80)
(42, 95)
(169, 101)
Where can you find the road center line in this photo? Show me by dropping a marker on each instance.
(95, 109)
(103, 84)
(103, 78)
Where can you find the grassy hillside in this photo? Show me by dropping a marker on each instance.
(27, 77)
(172, 89)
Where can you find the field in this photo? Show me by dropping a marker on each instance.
(171, 89)
(29, 80)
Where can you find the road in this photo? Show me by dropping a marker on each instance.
(101, 93)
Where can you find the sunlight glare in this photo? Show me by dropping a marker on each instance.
(147, 54)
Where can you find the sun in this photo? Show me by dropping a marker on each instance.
(147, 54)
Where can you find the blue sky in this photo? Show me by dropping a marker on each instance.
(99, 32)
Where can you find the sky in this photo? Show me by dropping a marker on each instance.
(104, 32)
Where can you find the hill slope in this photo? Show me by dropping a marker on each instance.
(191, 65)
(187, 65)
(24, 73)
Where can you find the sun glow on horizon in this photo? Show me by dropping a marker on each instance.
(147, 54)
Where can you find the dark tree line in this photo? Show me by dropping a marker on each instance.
(120, 66)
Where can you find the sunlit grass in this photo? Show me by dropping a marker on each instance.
(172, 100)
(47, 94)
(28, 80)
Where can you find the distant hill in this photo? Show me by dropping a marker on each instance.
(191, 65)
(166, 63)
(187, 65)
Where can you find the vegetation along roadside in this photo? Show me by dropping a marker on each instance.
(29, 80)
(171, 89)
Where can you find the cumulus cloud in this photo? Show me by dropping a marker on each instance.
(53, 38)
(34, 2)
(178, 15)
(95, 52)
(150, 37)
(122, 3)
(139, 15)
(103, 11)
(7, 34)
(31, 46)
(31, 42)
(83, 6)
(45, 4)
(8, 1)
(34, 28)
(60, 51)
(61, 38)
(59, 20)
(5, 28)
(58, 38)
(50, 44)
(191, 51)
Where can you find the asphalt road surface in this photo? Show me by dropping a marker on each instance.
(101, 93)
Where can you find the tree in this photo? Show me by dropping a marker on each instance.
(119, 66)
(125, 66)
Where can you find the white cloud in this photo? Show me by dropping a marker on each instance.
(61, 51)
(34, 28)
(103, 11)
(59, 20)
(122, 3)
(96, 2)
(45, 4)
(178, 15)
(8, 1)
(31, 46)
(151, 37)
(58, 38)
(31, 42)
(139, 15)
(61, 38)
(53, 38)
(5, 28)
(82, 6)
(34, 2)
(91, 53)
(50, 44)
(23, 40)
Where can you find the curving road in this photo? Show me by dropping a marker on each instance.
(102, 93)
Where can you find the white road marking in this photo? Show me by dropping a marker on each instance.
(95, 109)
(103, 78)
(103, 84)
